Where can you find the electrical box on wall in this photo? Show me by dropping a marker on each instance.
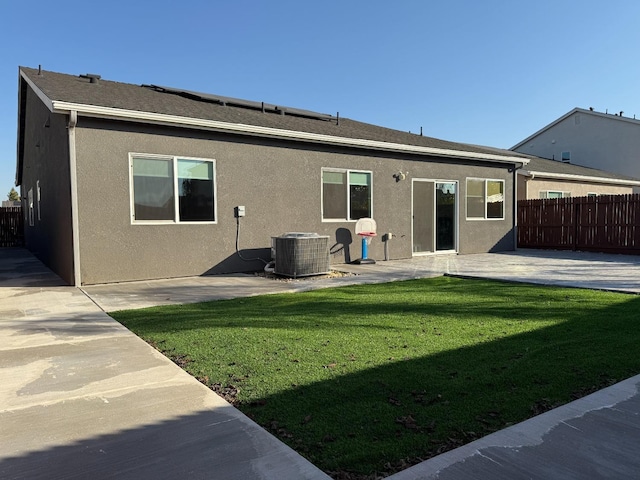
(239, 211)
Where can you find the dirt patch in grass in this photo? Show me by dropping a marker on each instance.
(309, 278)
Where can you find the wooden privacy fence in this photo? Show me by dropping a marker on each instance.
(11, 227)
(607, 223)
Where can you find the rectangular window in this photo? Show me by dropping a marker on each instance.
(359, 195)
(485, 199)
(554, 194)
(30, 206)
(153, 197)
(475, 198)
(172, 189)
(334, 194)
(38, 198)
(195, 184)
(346, 194)
(495, 199)
(566, 157)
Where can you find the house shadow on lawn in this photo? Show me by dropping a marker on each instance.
(380, 418)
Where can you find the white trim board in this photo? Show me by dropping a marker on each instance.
(579, 178)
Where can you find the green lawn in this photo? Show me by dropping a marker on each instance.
(373, 378)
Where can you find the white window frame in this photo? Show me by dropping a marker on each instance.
(485, 218)
(176, 197)
(546, 193)
(38, 198)
(30, 206)
(568, 159)
(346, 171)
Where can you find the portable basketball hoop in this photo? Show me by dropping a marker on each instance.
(366, 229)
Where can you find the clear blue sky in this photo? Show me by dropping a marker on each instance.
(489, 72)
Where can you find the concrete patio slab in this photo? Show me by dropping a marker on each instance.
(598, 271)
(619, 273)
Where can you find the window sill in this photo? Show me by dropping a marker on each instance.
(160, 222)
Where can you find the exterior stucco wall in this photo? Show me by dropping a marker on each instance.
(46, 163)
(595, 140)
(522, 190)
(279, 184)
(532, 188)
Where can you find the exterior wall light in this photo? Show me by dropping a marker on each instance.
(400, 176)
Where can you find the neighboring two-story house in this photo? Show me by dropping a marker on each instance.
(605, 141)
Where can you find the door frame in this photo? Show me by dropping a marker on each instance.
(456, 233)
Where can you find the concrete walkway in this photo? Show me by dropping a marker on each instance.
(82, 397)
(595, 437)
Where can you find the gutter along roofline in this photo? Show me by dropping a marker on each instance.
(238, 128)
(579, 178)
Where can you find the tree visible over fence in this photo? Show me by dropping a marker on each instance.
(13, 195)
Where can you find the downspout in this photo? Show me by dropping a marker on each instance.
(73, 178)
(515, 206)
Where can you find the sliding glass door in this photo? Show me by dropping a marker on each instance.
(435, 226)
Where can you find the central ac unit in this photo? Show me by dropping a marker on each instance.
(301, 254)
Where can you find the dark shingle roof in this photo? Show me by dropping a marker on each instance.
(544, 165)
(79, 90)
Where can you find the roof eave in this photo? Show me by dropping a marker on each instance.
(23, 77)
(41, 95)
(237, 128)
(545, 128)
(592, 113)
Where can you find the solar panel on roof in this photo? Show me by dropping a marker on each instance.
(238, 102)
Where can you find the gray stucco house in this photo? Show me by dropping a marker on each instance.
(128, 182)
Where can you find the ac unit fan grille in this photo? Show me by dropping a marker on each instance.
(302, 256)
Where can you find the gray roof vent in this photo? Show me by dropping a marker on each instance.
(93, 78)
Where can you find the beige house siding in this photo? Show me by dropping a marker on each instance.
(529, 189)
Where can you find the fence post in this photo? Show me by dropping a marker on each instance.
(576, 218)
